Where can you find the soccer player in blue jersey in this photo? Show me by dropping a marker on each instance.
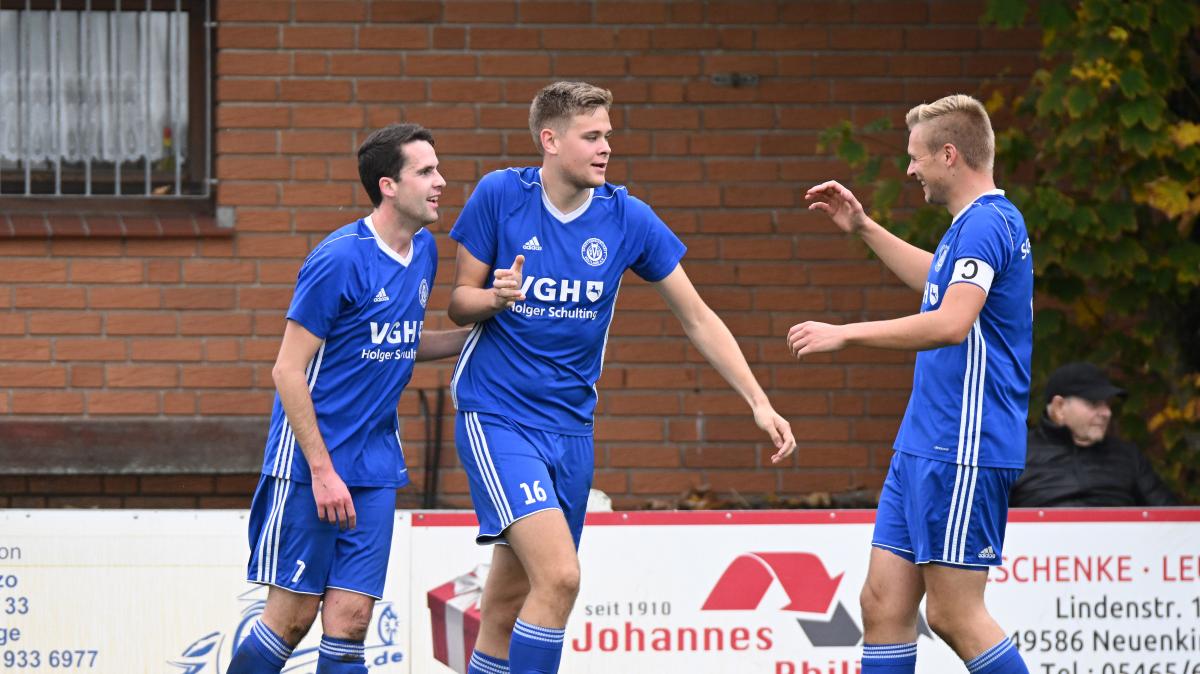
(321, 519)
(540, 259)
(944, 505)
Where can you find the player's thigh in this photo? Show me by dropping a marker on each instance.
(893, 588)
(290, 547)
(954, 589)
(360, 559)
(507, 583)
(508, 474)
(543, 544)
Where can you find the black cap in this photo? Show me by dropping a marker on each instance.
(1081, 380)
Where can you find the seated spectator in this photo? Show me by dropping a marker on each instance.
(1073, 461)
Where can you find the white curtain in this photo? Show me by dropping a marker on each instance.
(92, 86)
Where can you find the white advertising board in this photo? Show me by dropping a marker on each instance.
(131, 592)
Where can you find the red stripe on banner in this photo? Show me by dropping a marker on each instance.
(460, 518)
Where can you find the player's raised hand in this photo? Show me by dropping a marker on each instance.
(812, 337)
(778, 428)
(839, 203)
(334, 504)
(507, 284)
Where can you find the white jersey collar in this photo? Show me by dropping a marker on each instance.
(559, 215)
(988, 193)
(402, 259)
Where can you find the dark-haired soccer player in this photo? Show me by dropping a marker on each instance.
(321, 520)
(540, 259)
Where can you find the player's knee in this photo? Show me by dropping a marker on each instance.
(945, 618)
(563, 582)
(871, 603)
(349, 621)
(295, 626)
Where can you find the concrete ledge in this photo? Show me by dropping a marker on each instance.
(132, 447)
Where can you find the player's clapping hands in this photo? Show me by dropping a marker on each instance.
(507, 284)
(839, 203)
(812, 337)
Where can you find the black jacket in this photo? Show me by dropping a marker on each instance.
(1060, 474)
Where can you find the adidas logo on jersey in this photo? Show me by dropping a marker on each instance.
(532, 244)
(381, 296)
(987, 553)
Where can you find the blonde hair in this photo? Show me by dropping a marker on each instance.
(961, 121)
(561, 101)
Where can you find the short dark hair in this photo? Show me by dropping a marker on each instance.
(559, 102)
(381, 155)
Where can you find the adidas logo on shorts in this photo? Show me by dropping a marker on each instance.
(987, 553)
(381, 296)
(532, 244)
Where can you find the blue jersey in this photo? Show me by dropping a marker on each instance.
(969, 401)
(538, 361)
(368, 305)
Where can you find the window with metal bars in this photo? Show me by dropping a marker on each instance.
(105, 99)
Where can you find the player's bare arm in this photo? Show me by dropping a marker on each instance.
(437, 344)
(947, 325)
(718, 346)
(908, 262)
(470, 301)
(333, 498)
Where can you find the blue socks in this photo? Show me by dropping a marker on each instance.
(485, 664)
(341, 656)
(1003, 658)
(889, 658)
(535, 650)
(261, 652)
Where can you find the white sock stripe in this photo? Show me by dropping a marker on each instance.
(334, 648)
(271, 640)
(549, 631)
(889, 648)
(538, 633)
(989, 656)
(486, 666)
(487, 467)
(490, 483)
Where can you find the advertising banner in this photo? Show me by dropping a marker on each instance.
(132, 592)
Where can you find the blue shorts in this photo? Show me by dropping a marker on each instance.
(292, 549)
(516, 471)
(935, 511)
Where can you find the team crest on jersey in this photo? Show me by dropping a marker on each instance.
(594, 290)
(594, 252)
(423, 293)
(941, 258)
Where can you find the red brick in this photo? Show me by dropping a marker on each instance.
(811, 11)
(33, 376)
(254, 404)
(579, 38)
(232, 36)
(378, 91)
(127, 402)
(473, 91)
(264, 10)
(33, 271)
(643, 456)
(172, 350)
(195, 377)
(440, 65)
(686, 38)
(449, 38)
(654, 13)
(315, 91)
(335, 11)
(358, 64)
(253, 63)
(942, 39)
(505, 38)
(317, 37)
(317, 142)
(205, 324)
(247, 90)
(524, 65)
(64, 323)
(48, 297)
(246, 141)
(392, 37)
(647, 66)
(49, 402)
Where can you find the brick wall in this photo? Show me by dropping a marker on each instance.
(187, 328)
